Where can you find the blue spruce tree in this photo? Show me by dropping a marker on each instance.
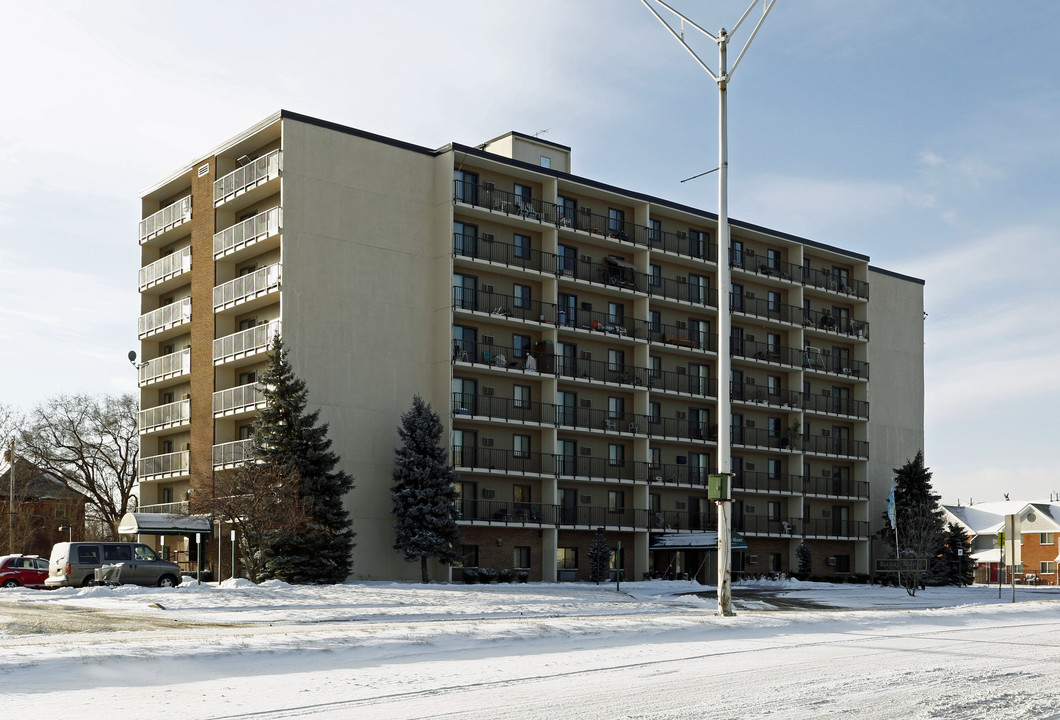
(290, 439)
(424, 494)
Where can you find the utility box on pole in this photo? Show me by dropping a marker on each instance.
(718, 487)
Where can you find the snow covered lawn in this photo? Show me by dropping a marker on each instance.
(533, 651)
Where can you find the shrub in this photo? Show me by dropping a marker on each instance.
(523, 576)
(486, 575)
(506, 575)
(470, 576)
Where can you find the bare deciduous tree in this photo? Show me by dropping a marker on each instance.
(261, 501)
(92, 444)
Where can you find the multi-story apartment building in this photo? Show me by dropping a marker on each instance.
(564, 329)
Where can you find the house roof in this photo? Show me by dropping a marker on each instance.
(35, 483)
(989, 518)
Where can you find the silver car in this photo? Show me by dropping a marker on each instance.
(75, 563)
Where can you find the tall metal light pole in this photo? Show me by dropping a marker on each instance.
(722, 78)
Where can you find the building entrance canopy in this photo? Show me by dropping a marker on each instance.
(695, 541)
(163, 524)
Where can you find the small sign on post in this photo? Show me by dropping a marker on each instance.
(894, 565)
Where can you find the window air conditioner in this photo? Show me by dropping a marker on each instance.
(587, 451)
(488, 493)
(585, 403)
(487, 390)
(831, 560)
(487, 237)
(487, 442)
(487, 339)
(486, 287)
(752, 559)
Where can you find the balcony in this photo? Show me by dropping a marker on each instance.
(247, 287)
(245, 343)
(238, 400)
(501, 512)
(231, 454)
(680, 288)
(827, 279)
(760, 482)
(809, 358)
(831, 404)
(618, 325)
(823, 279)
(677, 474)
(170, 415)
(681, 243)
(824, 321)
(169, 508)
(504, 306)
(165, 318)
(754, 394)
(680, 335)
(765, 309)
(835, 528)
(159, 467)
(836, 487)
(581, 467)
(239, 181)
(165, 219)
(763, 438)
(164, 269)
(247, 233)
(166, 367)
(832, 446)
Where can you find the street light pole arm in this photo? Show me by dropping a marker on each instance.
(678, 36)
(765, 11)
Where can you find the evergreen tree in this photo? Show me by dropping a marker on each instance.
(805, 558)
(599, 557)
(960, 568)
(288, 438)
(424, 493)
(921, 524)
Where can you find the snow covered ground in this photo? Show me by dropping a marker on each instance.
(533, 651)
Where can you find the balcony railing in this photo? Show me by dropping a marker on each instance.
(688, 383)
(835, 405)
(836, 487)
(502, 512)
(166, 218)
(168, 465)
(168, 415)
(240, 235)
(165, 367)
(756, 437)
(248, 286)
(507, 306)
(814, 358)
(605, 322)
(231, 453)
(765, 395)
(165, 268)
(765, 309)
(682, 289)
(835, 528)
(832, 445)
(824, 320)
(170, 508)
(238, 399)
(240, 180)
(825, 279)
(497, 460)
(676, 474)
(749, 481)
(765, 525)
(252, 341)
(165, 317)
(683, 336)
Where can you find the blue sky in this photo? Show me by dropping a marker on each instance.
(924, 135)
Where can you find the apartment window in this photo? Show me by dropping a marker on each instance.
(616, 407)
(465, 186)
(521, 557)
(616, 313)
(655, 230)
(246, 432)
(523, 193)
(616, 455)
(522, 296)
(697, 243)
(520, 345)
(168, 349)
(616, 360)
(568, 259)
(773, 511)
(654, 412)
(737, 253)
(166, 446)
(773, 342)
(521, 494)
(1047, 567)
(167, 495)
(655, 321)
(248, 269)
(246, 378)
(468, 556)
(165, 398)
(773, 469)
(465, 288)
(616, 222)
(773, 301)
(698, 288)
(654, 275)
(521, 446)
(773, 259)
(773, 386)
(546, 162)
(654, 457)
(842, 563)
(521, 246)
(521, 396)
(655, 366)
(616, 500)
(774, 427)
(1046, 538)
(654, 502)
(776, 562)
(464, 236)
(566, 558)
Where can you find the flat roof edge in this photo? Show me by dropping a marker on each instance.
(900, 276)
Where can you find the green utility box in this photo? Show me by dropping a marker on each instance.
(718, 487)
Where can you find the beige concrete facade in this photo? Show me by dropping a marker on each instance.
(564, 330)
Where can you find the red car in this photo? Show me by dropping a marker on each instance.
(23, 570)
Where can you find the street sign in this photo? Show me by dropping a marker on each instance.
(902, 565)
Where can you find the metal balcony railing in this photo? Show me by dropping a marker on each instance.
(238, 399)
(165, 268)
(241, 179)
(241, 234)
(833, 445)
(681, 288)
(835, 487)
(507, 306)
(681, 429)
(165, 367)
(822, 278)
(610, 323)
(252, 341)
(824, 320)
(750, 481)
(765, 525)
(744, 304)
(248, 286)
(676, 474)
(683, 336)
(166, 218)
(827, 279)
(165, 317)
(682, 382)
(168, 415)
(764, 395)
(835, 528)
(834, 405)
(170, 508)
(167, 464)
(231, 453)
(502, 460)
(755, 437)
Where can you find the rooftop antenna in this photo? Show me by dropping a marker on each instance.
(539, 133)
(722, 78)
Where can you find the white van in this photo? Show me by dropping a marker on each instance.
(75, 563)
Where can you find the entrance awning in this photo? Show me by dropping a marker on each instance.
(694, 541)
(987, 556)
(163, 524)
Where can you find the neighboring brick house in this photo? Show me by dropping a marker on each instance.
(43, 503)
(1039, 528)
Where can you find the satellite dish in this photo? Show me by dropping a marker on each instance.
(132, 356)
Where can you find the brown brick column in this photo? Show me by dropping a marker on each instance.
(203, 226)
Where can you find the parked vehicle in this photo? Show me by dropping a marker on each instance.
(23, 571)
(74, 564)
